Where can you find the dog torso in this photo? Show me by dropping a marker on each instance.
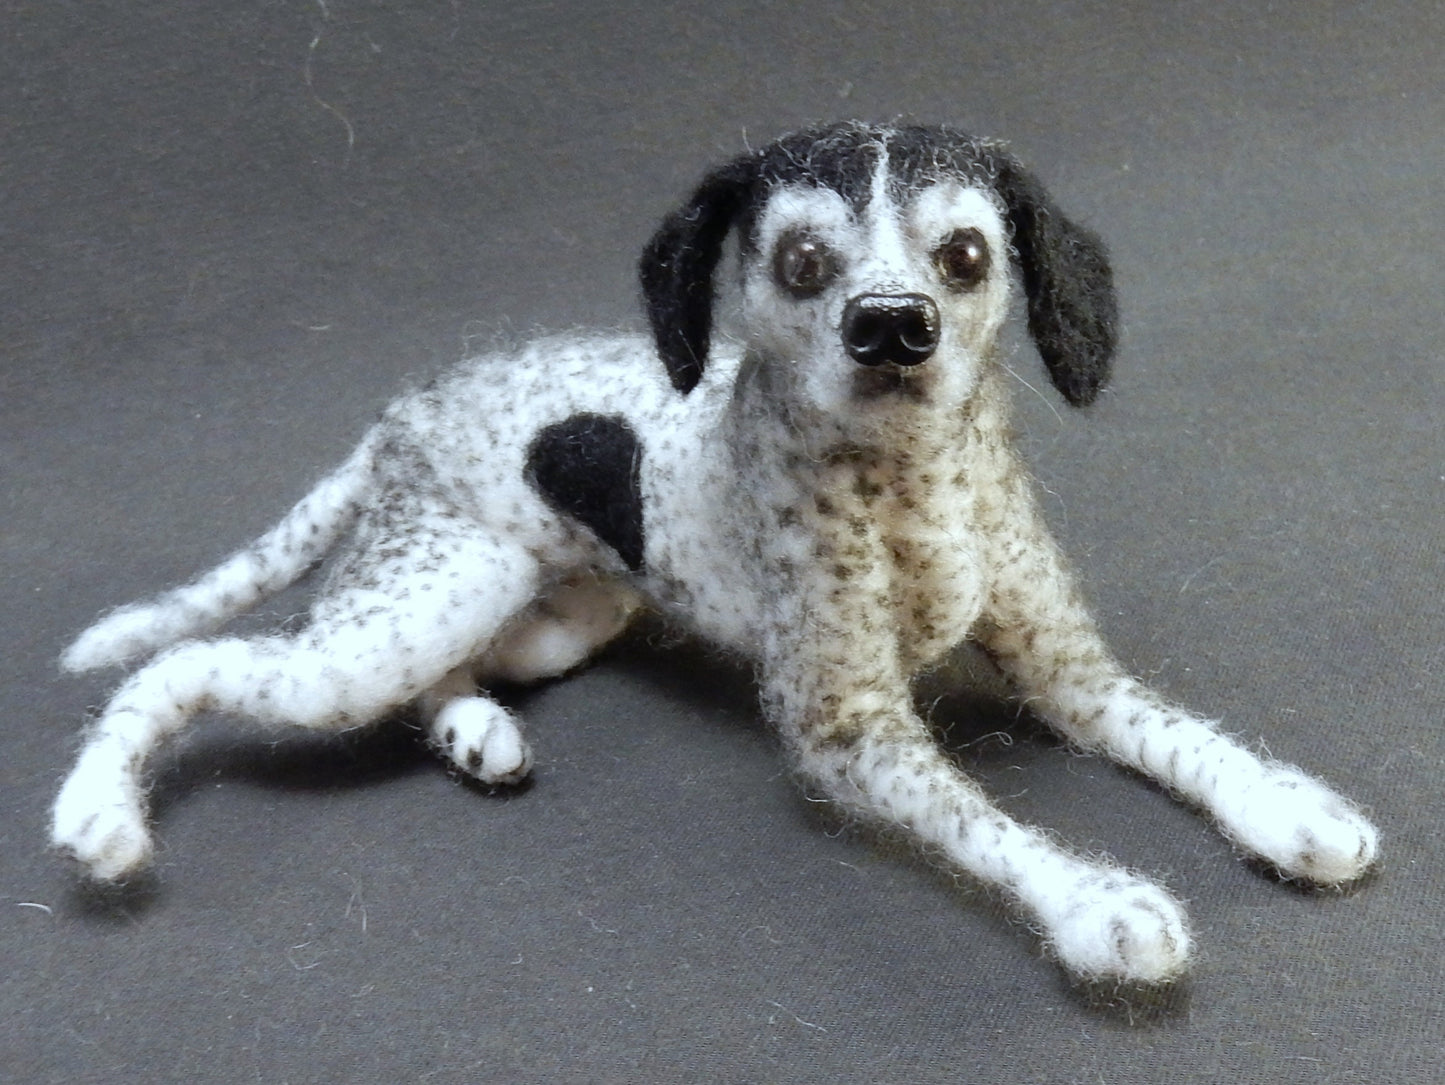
(748, 523)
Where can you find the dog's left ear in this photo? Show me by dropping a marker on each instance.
(1073, 313)
(678, 263)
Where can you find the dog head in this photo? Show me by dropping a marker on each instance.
(871, 254)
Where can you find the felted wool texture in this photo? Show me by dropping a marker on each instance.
(841, 525)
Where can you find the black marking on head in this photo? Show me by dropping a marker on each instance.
(920, 155)
(588, 467)
(841, 158)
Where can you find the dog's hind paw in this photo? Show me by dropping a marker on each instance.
(99, 820)
(482, 739)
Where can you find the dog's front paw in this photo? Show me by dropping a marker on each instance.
(482, 739)
(98, 818)
(1117, 926)
(1301, 827)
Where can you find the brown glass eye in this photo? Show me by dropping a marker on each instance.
(803, 265)
(963, 259)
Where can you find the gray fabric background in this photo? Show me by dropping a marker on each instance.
(230, 232)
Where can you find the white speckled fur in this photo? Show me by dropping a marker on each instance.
(842, 539)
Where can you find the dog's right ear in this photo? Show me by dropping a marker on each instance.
(678, 263)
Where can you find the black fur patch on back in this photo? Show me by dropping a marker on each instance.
(588, 467)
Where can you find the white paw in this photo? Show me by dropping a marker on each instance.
(482, 739)
(1121, 927)
(1302, 827)
(97, 817)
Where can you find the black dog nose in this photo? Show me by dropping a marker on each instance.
(897, 328)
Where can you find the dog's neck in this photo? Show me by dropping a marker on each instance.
(897, 505)
(898, 427)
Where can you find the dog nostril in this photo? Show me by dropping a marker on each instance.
(897, 328)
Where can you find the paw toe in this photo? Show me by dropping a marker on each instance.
(505, 755)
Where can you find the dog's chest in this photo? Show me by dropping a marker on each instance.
(905, 535)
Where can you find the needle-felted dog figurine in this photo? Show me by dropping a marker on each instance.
(832, 496)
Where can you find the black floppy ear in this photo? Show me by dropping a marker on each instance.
(1072, 309)
(678, 263)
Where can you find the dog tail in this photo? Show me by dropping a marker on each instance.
(275, 560)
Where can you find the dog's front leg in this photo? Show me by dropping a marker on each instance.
(833, 684)
(1037, 629)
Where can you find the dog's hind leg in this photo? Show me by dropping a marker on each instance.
(408, 610)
